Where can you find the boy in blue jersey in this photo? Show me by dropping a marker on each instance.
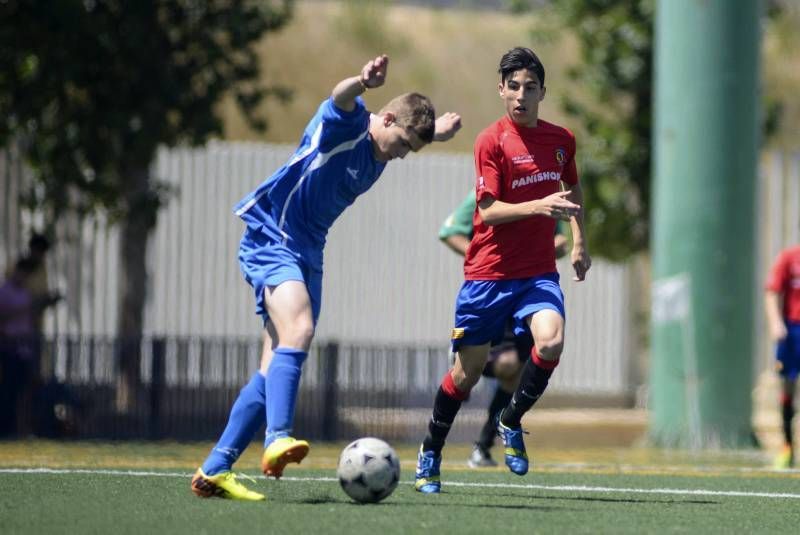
(342, 152)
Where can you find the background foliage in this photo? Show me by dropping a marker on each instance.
(598, 56)
(91, 88)
(610, 94)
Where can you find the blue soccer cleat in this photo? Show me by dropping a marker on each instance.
(516, 458)
(426, 478)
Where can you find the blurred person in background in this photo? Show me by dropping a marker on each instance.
(343, 151)
(521, 164)
(782, 303)
(506, 359)
(38, 283)
(18, 365)
(32, 399)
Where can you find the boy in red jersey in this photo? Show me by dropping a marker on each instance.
(506, 360)
(510, 267)
(784, 328)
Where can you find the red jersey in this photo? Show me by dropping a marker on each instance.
(515, 164)
(784, 278)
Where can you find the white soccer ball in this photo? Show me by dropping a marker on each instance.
(369, 470)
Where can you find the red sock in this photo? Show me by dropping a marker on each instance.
(449, 387)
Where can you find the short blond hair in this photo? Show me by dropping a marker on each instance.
(414, 112)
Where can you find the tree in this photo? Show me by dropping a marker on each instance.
(93, 87)
(611, 97)
(612, 100)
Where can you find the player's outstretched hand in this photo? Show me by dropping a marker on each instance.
(558, 206)
(581, 262)
(374, 72)
(446, 126)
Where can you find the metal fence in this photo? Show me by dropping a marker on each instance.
(387, 277)
(388, 292)
(188, 385)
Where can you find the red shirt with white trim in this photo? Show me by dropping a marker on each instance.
(515, 164)
(784, 278)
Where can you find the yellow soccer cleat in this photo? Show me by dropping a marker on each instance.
(785, 458)
(222, 485)
(281, 452)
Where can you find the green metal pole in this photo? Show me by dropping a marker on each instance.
(705, 141)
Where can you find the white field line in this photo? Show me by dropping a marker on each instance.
(680, 469)
(555, 488)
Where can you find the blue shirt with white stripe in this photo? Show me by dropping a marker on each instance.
(333, 165)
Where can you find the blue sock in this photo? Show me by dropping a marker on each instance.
(283, 380)
(247, 415)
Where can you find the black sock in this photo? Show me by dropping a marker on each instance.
(787, 406)
(445, 409)
(499, 401)
(531, 386)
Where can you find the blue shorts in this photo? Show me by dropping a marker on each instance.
(483, 308)
(266, 262)
(521, 343)
(787, 352)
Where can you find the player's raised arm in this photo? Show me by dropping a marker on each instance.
(372, 75)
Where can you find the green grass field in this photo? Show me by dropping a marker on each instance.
(51, 487)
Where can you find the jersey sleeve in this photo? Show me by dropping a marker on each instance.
(779, 274)
(337, 125)
(570, 173)
(460, 221)
(488, 167)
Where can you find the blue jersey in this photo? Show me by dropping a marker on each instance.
(333, 165)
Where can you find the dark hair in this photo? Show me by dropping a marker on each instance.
(39, 241)
(519, 58)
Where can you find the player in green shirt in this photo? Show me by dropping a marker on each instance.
(505, 359)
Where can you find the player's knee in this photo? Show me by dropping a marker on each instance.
(298, 335)
(507, 367)
(466, 377)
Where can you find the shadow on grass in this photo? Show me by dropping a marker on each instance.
(614, 500)
(446, 499)
(440, 501)
(397, 503)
